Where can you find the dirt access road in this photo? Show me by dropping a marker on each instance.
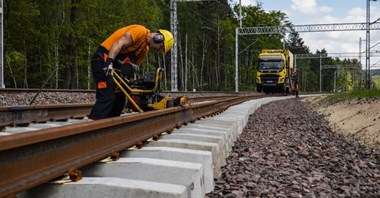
(357, 118)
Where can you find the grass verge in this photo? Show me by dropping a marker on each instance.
(358, 94)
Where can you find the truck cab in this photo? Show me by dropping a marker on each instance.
(274, 68)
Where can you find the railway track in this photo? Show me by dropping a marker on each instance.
(30, 159)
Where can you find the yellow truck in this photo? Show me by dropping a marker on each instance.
(274, 71)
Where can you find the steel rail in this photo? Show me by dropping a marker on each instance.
(30, 159)
(23, 115)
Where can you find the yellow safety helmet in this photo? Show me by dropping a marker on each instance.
(168, 40)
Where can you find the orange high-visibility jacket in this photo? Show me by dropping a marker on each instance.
(139, 47)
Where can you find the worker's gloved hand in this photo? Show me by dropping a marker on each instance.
(128, 69)
(109, 67)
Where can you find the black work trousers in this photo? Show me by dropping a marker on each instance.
(108, 103)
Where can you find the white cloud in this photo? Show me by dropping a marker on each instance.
(341, 41)
(356, 15)
(245, 2)
(334, 42)
(309, 7)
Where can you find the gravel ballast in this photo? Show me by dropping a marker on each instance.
(288, 150)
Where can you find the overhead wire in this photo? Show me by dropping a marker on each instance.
(205, 18)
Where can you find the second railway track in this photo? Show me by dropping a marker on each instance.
(26, 114)
(49, 153)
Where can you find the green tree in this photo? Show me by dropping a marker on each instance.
(54, 40)
(22, 37)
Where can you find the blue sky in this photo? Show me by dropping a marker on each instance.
(303, 12)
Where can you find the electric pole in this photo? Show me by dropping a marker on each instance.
(174, 50)
(2, 85)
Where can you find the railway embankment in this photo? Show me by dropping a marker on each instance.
(286, 148)
(358, 118)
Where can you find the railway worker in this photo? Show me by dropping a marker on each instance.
(295, 87)
(128, 46)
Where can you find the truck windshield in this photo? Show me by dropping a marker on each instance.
(270, 65)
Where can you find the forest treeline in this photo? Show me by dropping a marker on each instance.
(49, 43)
